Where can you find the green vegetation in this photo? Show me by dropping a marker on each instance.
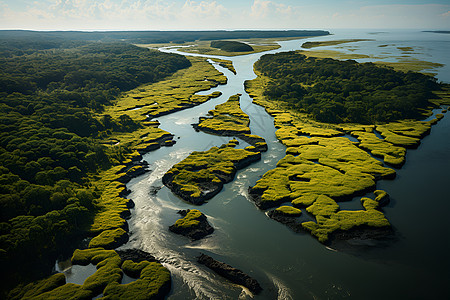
(227, 117)
(39, 287)
(65, 150)
(51, 39)
(190, 220)
(309, 45)
(326, 168)
(173, 94)
(109, 239)
(201, 175)
(232, 46)
(320, 167)
(48, 141)
(332, 54)
(344, 91)
(203, 47)
(226, 64)
(391, 154)
(194, 224)
(405, 49)
(411, 64)
(289, 211)
(152, 280)
(297, 177)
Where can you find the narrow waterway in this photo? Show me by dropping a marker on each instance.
(290, 265)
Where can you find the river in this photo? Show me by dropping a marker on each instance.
(290, 265)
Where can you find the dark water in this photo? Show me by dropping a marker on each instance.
(290, 265)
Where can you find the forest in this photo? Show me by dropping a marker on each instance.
(50, 91)
(336, 91)
(152, 37)
(231, 46)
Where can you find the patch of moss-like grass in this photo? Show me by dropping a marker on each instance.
(67, 291)
(111, 205)
(174, 93)
(309, 45)
(34, 289)
(443, 96)
(396, 138)
(408, 64)
(152, 283)
(439, 116)
(330, 219)
(108, 268)
(341, 154)
(190, 220)
(332, 54)
(202, 174)
(345, 220)
(391, 154)
(109, 239)
(323, 206)
(289, 211)
(153, 279)
(226, 118)
(409, 128)
(226, 64)
(312, 130)
(296, 179)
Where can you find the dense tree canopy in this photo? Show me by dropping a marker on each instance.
(146, 37)
(48, 137)
(231, 46)
(345, 91)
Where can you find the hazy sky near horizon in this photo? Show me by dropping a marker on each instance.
(222, 14)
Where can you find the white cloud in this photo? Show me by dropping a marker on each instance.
(262, 9)
(203, 9)
(213, 14)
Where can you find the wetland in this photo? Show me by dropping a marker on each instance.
(312, 177)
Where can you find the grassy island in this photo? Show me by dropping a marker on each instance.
(232, 46)
(194, 224)
(322, 167)
(202, 175)
(228, 119)
(309, 45)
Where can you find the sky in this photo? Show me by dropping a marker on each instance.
(223, 14)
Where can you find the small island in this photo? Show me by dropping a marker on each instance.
(228, 119)
(202, 175)
(309, 45)
(194, 224)
(232, 46)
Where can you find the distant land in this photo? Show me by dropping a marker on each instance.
(147, 37)
(438, 31)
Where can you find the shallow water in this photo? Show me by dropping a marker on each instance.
(290, 265)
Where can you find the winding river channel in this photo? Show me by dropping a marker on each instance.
(290, 265)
